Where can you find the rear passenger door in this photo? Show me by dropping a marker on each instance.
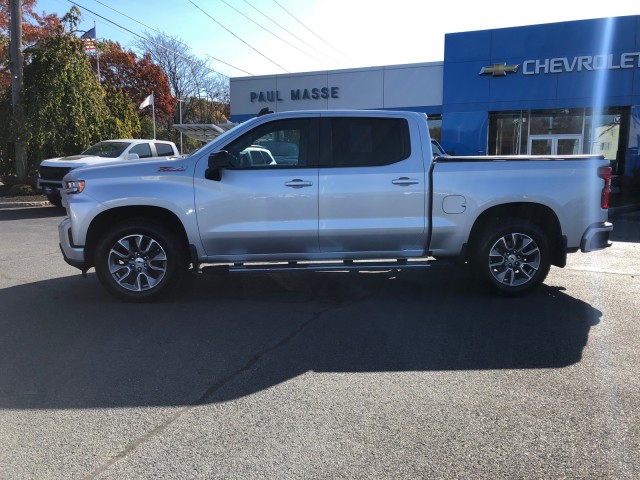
(372, 192)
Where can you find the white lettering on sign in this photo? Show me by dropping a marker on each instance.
(272, 96)
(583, 63)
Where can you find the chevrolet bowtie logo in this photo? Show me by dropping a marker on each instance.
(499, 69)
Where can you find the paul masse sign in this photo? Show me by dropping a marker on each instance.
(272, 96)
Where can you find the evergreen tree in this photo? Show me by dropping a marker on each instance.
(66, 108)
(64, 102)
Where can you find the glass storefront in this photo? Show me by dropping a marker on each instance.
(435, 127)
(561, 132)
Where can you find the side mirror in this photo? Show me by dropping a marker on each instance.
(132, 156)
(216, 162)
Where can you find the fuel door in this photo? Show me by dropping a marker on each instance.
(453, 204)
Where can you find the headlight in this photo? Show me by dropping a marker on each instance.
(74, 186)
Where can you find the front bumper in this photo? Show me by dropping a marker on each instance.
(72, 254)
(596, 237)
(48, 187)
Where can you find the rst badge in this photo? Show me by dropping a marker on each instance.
(172, 169)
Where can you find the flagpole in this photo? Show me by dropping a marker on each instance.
(97, 52)
(153, 113)
(145, 103)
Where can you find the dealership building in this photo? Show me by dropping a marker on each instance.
(560, 88)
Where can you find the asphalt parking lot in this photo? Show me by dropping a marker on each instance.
(387, 375)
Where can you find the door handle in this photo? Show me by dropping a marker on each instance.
(405, 181)
(298, 183)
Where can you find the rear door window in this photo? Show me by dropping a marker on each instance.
(164, 149)
(142, 149)
(365, 141)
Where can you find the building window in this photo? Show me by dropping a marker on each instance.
(435, 127)
(508, 133)
(561, 132)
(609, 134)
(556, 122)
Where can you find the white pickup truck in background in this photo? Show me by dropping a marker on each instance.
(341, 190)
(51, 171)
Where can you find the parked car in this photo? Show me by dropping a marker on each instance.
(255, 156)
(285, 153)
(52, 170)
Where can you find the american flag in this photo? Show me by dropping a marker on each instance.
(89, 38)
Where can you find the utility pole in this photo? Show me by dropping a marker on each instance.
(97, 51)
(15, 64)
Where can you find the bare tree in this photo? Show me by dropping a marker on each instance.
(189, 77)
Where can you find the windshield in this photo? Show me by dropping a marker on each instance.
(107, 149)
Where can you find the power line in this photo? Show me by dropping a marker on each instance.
(289, 32)
(314, 33)
(178, 54)
(253, 48)
(164, 35)
(269, 31)
(143, 38)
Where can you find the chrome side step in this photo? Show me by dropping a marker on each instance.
(328, 266)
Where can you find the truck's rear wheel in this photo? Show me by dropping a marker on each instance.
(140, 261)
(514, 257)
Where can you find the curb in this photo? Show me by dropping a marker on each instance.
(12, 205)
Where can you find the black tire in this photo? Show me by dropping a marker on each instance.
(139, 260)
(514, 257)
(55, 199)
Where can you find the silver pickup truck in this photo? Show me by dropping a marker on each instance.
(340, 190)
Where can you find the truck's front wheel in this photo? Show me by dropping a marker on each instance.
(139, 261)
(55, 199)
(514, 257)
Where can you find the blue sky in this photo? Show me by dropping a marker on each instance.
(311, 35)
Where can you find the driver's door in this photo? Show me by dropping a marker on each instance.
(261, 207)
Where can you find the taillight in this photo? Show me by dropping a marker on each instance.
(605, 174)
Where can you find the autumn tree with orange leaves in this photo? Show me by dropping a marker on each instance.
(136, 77)
(35, 26)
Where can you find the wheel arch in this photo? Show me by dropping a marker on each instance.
(538, 214)
(102, 222)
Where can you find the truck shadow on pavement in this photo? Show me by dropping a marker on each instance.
(626, 227)
(67, 344)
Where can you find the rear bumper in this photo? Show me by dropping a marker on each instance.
(596, 237)
(72, 254)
